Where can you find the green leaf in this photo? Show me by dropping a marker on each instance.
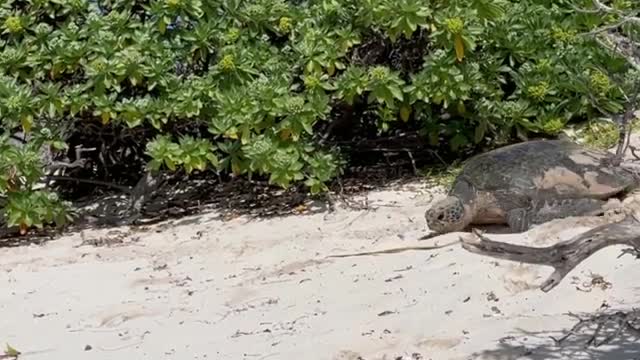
(396, 91)
(459, 47)
(405, 112)
(480, 131)
(457, 141)
(170, 164)
(11, 352)
(52, 110)
(27, 123)
(59, 145)
(306, 124)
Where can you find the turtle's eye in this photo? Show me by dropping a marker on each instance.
(441, 217)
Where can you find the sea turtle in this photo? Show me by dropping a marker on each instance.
(529, 183)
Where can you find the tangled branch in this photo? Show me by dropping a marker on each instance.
(619, 321)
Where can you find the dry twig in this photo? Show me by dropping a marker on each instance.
(622, 322)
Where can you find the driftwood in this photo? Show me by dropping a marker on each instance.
(563, 256)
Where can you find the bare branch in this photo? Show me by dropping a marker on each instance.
(624, 128)
(564, 256)
(607, 9)
(606, 36)
(621, 46)
(608, 27)
(122, 188)
(621, 321)
(633, 152)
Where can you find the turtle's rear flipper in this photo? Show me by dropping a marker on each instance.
(522, 219)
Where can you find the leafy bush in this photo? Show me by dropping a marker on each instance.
(20, 171)
(248, 83)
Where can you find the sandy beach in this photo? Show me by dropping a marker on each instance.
(202, 287)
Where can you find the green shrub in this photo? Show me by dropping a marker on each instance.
(261, 75)
(24, 205)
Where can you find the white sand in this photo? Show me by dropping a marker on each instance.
(203, 288)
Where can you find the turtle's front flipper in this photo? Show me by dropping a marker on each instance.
(522, 219)
(519, 220)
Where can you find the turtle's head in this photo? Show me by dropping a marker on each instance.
(447, 215)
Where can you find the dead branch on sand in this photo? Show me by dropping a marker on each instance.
(563, 256)
(614, 323)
